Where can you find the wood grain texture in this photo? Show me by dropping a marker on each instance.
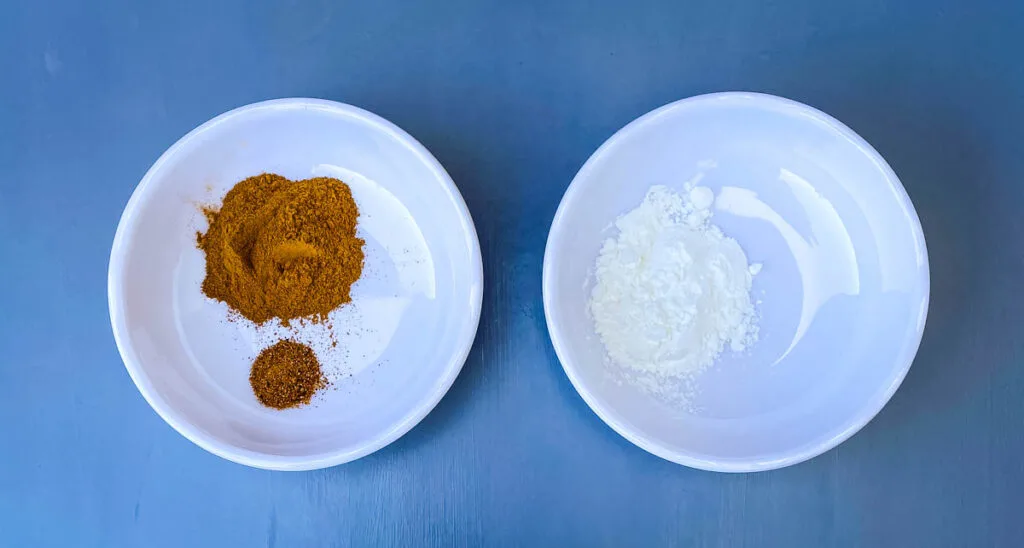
(512, 97)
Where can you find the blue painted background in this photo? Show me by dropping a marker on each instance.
(511, 96)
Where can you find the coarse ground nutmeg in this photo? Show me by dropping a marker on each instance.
(286, 374)
(281, 248)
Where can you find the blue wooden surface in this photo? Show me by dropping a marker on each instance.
(511, 96)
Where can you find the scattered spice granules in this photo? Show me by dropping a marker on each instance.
(286, 374)
(281, 248)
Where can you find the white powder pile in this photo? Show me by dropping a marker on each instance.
(671, 291)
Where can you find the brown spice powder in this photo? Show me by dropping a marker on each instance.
(286, 374)
(278, 248)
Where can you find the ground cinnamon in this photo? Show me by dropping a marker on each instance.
(284, 249)
(285, 375)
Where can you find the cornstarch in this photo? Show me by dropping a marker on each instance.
(671, 291)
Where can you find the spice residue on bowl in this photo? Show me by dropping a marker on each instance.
(283, 249)
(288, 250)
(286, 375)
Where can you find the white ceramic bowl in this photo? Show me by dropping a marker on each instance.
(400, 343)
(843, 291)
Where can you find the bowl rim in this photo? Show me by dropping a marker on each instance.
(115, 295)
(696, 460)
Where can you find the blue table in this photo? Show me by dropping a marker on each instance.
(512, 97)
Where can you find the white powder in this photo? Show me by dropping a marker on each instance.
(671, 291)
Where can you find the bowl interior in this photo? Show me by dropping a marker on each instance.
(391, 354)
(842, 295)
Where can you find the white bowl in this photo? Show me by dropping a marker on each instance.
(400, 343)
(843, 291)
